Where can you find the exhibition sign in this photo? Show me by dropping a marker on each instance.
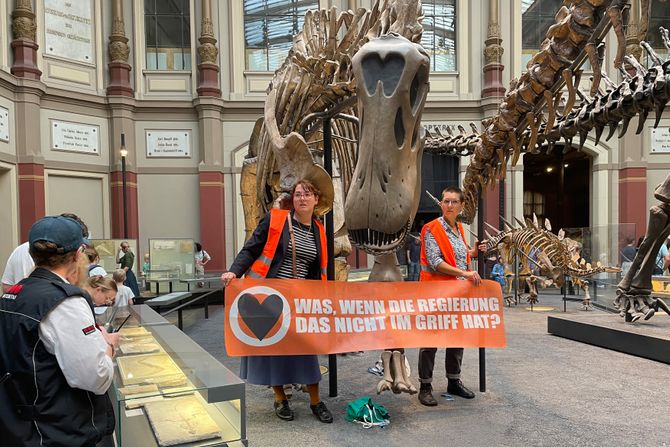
(288, 316)
(168, 143)
(74, 137)
(660, 140)
(4, 124)
(69, 29)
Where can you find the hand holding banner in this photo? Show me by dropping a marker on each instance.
(293, 317)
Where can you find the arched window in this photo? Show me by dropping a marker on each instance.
(269, 28)
(168, 34)
(660, 16)
(439, 33)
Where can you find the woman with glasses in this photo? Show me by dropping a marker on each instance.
(445, 257)
(286, 244)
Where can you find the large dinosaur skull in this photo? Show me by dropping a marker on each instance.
(392, 84)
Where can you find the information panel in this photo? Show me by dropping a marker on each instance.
(75, 137)
(660, 140)
(168, 143)
(4, 124)
(69, 29)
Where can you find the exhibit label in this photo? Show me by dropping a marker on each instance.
(4, 124)
(288, 316)
(75, 137)
(660, 140)
(168, 143)
(69, 29)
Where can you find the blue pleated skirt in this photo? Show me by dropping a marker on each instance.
(278, 370)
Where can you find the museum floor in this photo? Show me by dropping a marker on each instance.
(542, 390)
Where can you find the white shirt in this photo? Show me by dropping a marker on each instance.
(19, 265)
(81, 357)
(123, 295)
(201, 256)
(97, 271)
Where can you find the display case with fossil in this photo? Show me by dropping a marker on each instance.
(168, 391)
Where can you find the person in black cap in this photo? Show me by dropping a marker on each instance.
(58, 362)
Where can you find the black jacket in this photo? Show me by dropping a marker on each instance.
(254, 247)
(37, 406)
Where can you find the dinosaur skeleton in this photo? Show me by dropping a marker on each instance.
(556, 256)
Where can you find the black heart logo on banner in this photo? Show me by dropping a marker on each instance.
(260, 318)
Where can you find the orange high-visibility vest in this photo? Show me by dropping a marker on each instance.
(261, 267)
(440, 235)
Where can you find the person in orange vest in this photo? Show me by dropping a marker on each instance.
(273, 252)
(444, 257)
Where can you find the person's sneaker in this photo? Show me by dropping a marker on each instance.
(457, 388)
(283, 411)
(322, 413)
(426, 395)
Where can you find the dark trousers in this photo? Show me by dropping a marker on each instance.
(452, 363)
(131, 282)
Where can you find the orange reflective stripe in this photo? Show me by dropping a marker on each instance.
(261, 266)
(324, 250)
(440, 235)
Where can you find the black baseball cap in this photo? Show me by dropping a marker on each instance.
(62, 231)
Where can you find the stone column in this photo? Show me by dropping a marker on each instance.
(24, 45)
(493, 52)
(119, 69)
(632, 30)
(211, 181)
(208, 69)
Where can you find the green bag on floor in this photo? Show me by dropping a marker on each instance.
(366, 412)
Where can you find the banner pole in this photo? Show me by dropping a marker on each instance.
(480, 270)
(330, 237)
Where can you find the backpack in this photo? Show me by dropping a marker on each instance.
(367, 413)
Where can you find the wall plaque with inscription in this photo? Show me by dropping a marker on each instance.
(660, 140)
(75, 137)
(69, 29)
(168, 143)
(4, 124)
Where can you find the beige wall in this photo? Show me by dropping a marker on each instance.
(9, 215)
(86, 196)
(169, 207)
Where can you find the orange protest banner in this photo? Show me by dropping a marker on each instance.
(287, 316)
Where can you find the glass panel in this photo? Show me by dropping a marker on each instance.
(150, 28)
(171, 7)
(439, 36)
(269, 25)
(149, 6)
(166, 36)
(185, 32)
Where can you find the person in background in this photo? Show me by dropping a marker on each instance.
(414, 248)
(281, 237)
(146, 267)
(662, 260)
(401, 256)
(20, 263)
(201, 258)
(126, 260)
(627, 255)
(94, 267)
(124, 295)
(60, 362)
(498, 273)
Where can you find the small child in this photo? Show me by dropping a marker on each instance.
(124, 295)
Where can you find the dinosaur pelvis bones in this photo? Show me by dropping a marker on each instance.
(391, 74)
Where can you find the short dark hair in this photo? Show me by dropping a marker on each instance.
(455, 190)
(46, 254)
(307, 186)
(198, 247)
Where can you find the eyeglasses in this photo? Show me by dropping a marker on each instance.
(305, 195)
(451, 202)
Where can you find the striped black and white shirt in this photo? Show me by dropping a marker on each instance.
(305, 245)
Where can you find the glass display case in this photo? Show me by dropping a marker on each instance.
(168, 391)
(171, 259)
(108, 250)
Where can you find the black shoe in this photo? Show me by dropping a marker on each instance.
(283, 411)
(322, 413)
(426, 395)
(457, 388)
